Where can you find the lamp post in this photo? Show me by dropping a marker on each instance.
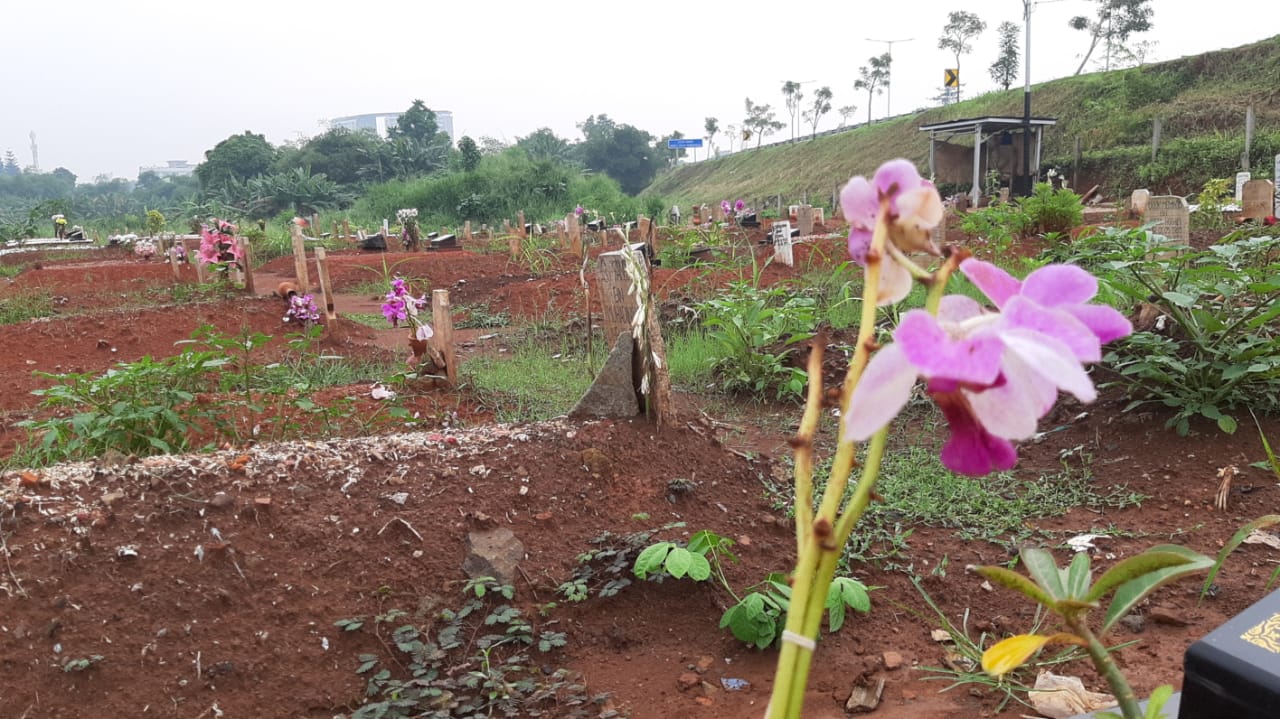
(1026, 100)
(888, 86)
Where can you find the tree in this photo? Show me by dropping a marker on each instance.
(490, 145)
(340, 154)
(760, 120)
(470, 154)
(543, 144)
(418, 123)
(712, 126)
(961, 27)
(731, 131)
(1115, 22)
(791, 92)
(239, 157)
(1005, 69)
(10, 164)
(821, 106)
(845, 113)
(623, 152)
(871, 76)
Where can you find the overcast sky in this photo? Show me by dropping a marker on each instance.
(109, 85)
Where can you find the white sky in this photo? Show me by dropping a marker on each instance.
(109, 85)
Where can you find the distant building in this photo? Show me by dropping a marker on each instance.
(381, 122)
(172, 168)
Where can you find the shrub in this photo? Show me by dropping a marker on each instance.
(1051, 210)
(753, 330)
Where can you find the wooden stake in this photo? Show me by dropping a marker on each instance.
(346, 229)
(442, 340)
(466, 231)
(513, 244)
(173, 262)
(247, 247)
(195, 260)
(326, 288)
(520, 225)
(300, 259)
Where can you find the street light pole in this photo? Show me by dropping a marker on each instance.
(888, 86)
(1026, 101)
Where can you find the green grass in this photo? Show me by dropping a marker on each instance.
(368, 319)
(689, 361)
(14, 270)
(25, 306)
(540, 380)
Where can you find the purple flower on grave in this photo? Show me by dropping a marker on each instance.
(725, 207)
(578, 211)
(395, 310)
(739, 206)
(910, 207)
(303, 309)
(993, 374)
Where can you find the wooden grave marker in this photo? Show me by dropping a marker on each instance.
(1172, 218)
(442, 339)
(326, 287)
(1257, 200)
(299, 259)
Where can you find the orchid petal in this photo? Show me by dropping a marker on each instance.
(958, 308)
(1053, 285)
(926, 345)
(896, 177)
(881, 393)
(895, 283)
(1106, 323)
(994, 282)
(1052, 360)
(859, 203)
(971, 450)
(921, 207)
(859, 243)
(1011, 408)
(1023, 313)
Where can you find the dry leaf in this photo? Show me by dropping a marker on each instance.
(1061, 697)
(1258, 536)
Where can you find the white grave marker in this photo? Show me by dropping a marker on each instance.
(782, 252)
(1277, 181)
(1241, 178)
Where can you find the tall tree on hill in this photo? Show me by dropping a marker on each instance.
(10, 166)
(872, 76)
(960, 29)
(845, 113)
(712, 126)
(760, 121)
(792, 94)
(821, 106)
(1005, 69)
(468, 154)
(1115, 22)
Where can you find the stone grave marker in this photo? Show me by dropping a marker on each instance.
(466, 231)
(820, 216)
(780, 233)
(1257, 199)
(1241, 178)
(1172, 216)
(805, 215)
(1138, 202)
(717, 212)
(1277, 183)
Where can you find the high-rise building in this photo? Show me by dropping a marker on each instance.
(381, 122)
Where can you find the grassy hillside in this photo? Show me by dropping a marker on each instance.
(1200, 100)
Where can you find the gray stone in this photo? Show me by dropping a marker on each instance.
(613, 393)
(493, 553)
(865, 698)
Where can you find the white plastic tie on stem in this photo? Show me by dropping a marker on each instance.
(799, 640)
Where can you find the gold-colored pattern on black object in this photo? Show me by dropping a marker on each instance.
(1265, 635)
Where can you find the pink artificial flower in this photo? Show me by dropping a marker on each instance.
(994, 375)
(913, 207)
(739, 206)
(394, 310)
(725, 207)
(578, 211)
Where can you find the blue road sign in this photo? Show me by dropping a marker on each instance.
(683, 144)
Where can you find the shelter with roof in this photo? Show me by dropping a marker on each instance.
(996, 145)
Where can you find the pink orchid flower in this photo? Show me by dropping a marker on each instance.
(913, 208)
(994, 375)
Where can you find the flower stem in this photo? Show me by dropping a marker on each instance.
(819, 549)
(1106, 666)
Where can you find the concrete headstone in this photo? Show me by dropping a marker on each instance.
(1258, 199)
(613, 392)
(1241, 178)
(1277, 183)
(1172, 218)
(805, 216)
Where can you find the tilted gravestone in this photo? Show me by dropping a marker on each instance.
(1257, 200)
(1171, 217)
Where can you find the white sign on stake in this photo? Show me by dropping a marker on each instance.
(781, 235)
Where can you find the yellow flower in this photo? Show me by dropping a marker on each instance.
(1008, 654)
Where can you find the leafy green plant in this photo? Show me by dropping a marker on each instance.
(754, 330)
(1211, 201)
(75, 665)
(1051, 210)
(25, 305)
(757, 618)
(1071, 593)
(1000, 225)
(472, 661)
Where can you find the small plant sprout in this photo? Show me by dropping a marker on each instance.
(1071, 593)
(993, 374)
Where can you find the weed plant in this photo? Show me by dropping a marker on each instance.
(539, 380)
(24, 306)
